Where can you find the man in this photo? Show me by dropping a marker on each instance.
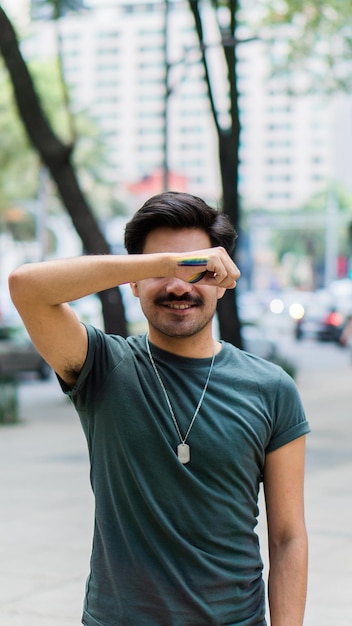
(181, 431)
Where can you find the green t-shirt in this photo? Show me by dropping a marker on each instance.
(174, 544)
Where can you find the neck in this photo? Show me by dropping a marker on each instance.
(193, 347)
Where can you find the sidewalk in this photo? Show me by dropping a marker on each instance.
(327, 398)
(46, 516)
(46, 519)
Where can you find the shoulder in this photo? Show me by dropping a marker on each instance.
(255, 375)
(251, 365)
(107, 353)
(100, 340)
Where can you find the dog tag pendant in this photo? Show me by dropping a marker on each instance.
(183, 452)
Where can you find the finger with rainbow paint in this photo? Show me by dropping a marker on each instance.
(194, 262)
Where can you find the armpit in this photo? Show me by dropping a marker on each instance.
(69, 376)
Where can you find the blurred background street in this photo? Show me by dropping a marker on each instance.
(47, 507)
(247, 105)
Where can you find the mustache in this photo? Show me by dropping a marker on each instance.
(171, 297)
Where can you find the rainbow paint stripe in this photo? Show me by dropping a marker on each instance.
(194, 262)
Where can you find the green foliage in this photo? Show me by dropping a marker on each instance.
(310, 242)
(313, 38)
(9, 401)
(90, 155)
(18, 161)
(47, 80)
(319, 201)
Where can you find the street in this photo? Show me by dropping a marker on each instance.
(46, 516)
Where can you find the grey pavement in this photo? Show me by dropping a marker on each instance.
(46, 506)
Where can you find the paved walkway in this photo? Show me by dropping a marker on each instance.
(328, 401)
(46, 507)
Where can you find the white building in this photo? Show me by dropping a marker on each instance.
(114, 57)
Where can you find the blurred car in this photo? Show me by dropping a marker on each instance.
(321, 324)
(18, 354)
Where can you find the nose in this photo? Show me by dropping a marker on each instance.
(178, 286)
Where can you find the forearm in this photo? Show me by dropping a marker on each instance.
(65, 280)
(52, 283)
(288, 582)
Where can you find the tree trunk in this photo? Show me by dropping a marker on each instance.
(229, 322)
(228, 146)
(56, 156)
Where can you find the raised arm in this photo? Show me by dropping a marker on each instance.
(41, 291)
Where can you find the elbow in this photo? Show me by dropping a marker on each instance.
(14, 282)
(294, 543)
(291, 533)
(17, 285)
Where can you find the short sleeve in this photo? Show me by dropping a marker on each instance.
(290, 420)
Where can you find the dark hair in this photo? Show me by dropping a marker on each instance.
(177, 210)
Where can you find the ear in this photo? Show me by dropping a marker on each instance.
(220, 292)
(134, 289)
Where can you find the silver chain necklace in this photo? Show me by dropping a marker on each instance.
(183, 449)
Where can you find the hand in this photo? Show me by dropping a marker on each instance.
(212, 266)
